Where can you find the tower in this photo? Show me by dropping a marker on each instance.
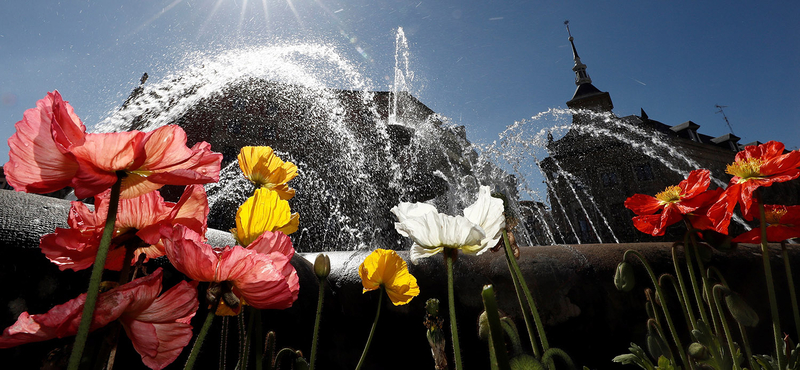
(586, 95)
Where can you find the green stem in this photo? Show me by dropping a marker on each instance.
(706, 284)
(792, 293)
(728, 338)
(698, 296)
(742, 330)
(200, 338)
(683, 295)
(648, 293)
(550, 353)
(687, 310)
(315, 339)
(773, 303)
(534, 311)
(662, 299)
(495, 328)
(450, 256)
(526, 314)
(97, 275)
(372, 331)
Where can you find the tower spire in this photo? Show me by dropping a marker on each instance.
(581, 77)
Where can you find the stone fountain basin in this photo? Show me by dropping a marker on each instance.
(572, 284)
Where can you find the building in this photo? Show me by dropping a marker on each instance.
(603, 159)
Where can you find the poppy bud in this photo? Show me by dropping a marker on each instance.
(432, 307)
(655, 343)
(524, 362)
(740, 310)
(483, 326)
(322, 266)
(623, 278)
(299, 362)
(698, 351)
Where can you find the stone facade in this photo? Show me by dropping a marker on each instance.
(605, 159)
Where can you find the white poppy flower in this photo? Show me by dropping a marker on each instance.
(480, 227)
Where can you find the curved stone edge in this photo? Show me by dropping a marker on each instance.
(572, 284)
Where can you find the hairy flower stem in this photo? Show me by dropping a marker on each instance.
(706, 286)
(662, 299)
(200, 338)
(244, 356)
(685, 306)
(688, 250)
(495, 329)
(773, 303)
(96, 277)
(534, 311)
(526, 314)
(683, 294)
(556, 352)
(315, 338)
(792, 294)
(450, 256)
(258, 341)
(742, 331)
(372, 331)
(728, 338)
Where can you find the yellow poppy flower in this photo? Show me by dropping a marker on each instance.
(385, 268)
(263, 168)
(264, 211)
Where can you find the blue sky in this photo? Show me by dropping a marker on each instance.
(483, 64)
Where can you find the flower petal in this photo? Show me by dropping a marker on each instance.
(642, 204)
(160, 331)
(188, 254)
(264, 211)
(35, 164)
(487, 212)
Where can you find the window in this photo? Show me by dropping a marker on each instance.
(643, 172)
(609, 179)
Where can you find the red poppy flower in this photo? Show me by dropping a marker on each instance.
(260, 276)
(674, 202)
(783, 222)
(138, 221)
(51, 150)
(755, 166)
(157, 326)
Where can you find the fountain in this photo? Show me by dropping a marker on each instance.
(360, 153)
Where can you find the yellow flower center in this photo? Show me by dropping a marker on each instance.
(774, 216)
(671, 194)
(747, 169)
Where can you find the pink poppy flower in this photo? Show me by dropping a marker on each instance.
(138, 221)
(158, 326)
(260, 276)
(51, 150)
